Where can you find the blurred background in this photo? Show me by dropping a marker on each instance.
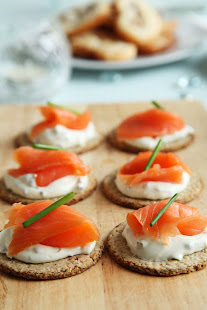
(29, 27)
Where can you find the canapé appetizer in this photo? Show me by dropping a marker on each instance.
(162, 239)
(62, 127)
(46, 240)
(150, 177)
(142, 131)
(46, 174)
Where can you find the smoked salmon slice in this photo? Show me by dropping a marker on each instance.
(177, 219)
(47, 165)
(151, 123)
(167, 167)
(63, 227)
(56, 116)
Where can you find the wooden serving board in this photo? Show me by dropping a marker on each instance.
(107, 285)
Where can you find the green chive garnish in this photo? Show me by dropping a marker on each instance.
(157, 105)
(49, 209)
(62, 107)
(154, 154)
(159, 214)
(47, 147)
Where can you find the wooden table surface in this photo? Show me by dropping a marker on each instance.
(107, 285)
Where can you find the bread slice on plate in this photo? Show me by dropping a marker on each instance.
(162, 42)
(80, 19)
(102, 45)
(137, 21)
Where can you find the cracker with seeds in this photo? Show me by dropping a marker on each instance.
(112, 193)
(120, 252)
(11, 197)
(63, 268)
(23, 139)
(166, 146)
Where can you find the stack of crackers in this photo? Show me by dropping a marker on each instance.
(119, 30)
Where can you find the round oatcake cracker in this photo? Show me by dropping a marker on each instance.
(110, 190)
(63, 268)
(22, 140)
(120, 252)
(166, 147)
(9, 196)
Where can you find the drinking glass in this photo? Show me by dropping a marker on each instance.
(35, 61)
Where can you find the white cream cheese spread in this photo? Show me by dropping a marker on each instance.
(39, 253)
(148, 248)
(64, 137)
(150, 142)
(152, 189)
(25, 186)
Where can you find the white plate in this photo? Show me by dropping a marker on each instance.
(188, 37)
